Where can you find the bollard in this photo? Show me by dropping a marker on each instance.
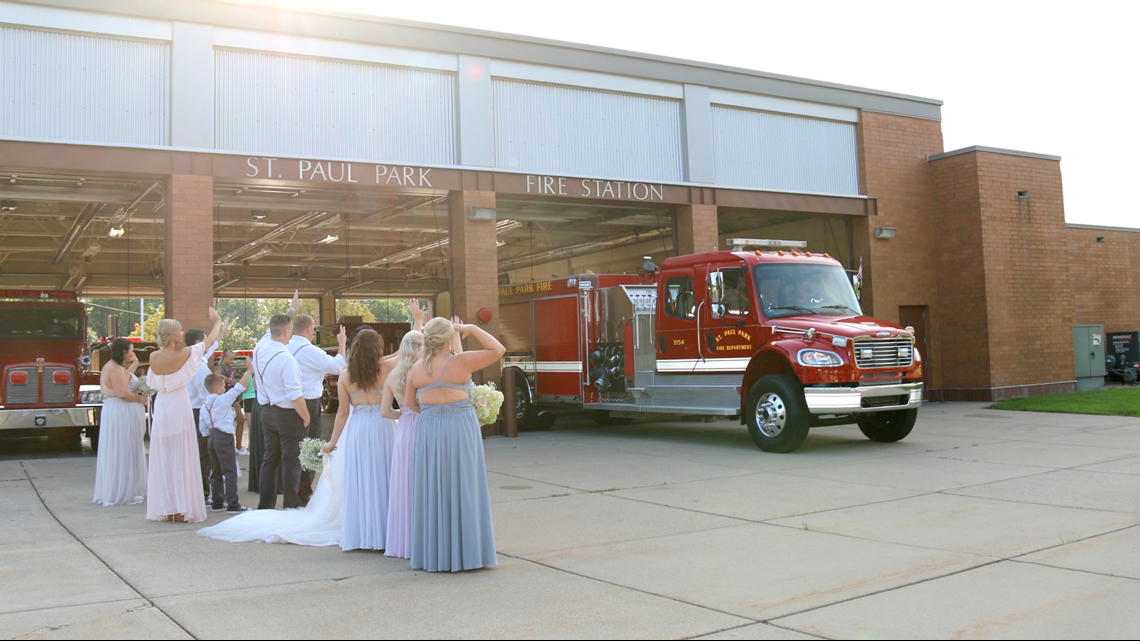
(510, 412)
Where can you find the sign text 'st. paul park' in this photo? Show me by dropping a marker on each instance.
(338, 172)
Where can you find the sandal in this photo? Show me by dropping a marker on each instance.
(174, 518)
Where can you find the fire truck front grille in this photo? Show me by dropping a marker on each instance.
(58, 393)
(26, 394)
(874, 353)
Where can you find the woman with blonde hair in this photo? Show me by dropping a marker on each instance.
(400, 482)
(174, 482)
(364, 513)
(451, 503)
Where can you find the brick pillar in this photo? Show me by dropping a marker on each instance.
(189, 256)
(695, 229)
(328, 308)
(474, 267)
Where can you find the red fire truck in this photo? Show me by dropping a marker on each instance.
(769, 333)
(46, 385)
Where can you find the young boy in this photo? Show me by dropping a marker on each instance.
(216, 423)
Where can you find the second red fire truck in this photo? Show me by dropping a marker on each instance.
(769, 333)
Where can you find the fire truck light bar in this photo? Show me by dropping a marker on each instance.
(36, 294)
(738, 244)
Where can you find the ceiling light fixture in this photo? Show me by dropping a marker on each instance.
(329, 239)
(116, 232)
(92, 249)
(8, 205)
(258, 214)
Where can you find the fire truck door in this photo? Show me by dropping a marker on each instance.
(678, 306)
(725, 331)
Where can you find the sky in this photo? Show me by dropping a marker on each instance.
(1042, 77)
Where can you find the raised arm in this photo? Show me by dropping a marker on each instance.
(216, 330)
(491, 353)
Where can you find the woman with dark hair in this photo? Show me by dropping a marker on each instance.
(360, 388)
(120, 468)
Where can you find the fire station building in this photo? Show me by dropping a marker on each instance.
(197, 149)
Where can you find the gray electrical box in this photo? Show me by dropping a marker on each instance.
(1088, 350)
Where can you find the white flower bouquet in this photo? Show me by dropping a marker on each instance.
(143, 388)
(487, 401)
(311, 454)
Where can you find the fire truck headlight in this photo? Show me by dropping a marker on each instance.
(819, 358)
(91, 397)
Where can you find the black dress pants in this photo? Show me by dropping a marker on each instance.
(282, 431)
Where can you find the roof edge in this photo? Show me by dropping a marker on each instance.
(992, 150)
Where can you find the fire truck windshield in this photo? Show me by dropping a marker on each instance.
(795, 289)
(60, 323)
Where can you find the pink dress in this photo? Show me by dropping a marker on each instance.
(399, 536)
(174, 482)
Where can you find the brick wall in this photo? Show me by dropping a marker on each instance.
(964, 336)
(1104, 277)
(1006, 297)
(1029, 296)
(695, 229)
(893, 153)
(474, 265)
(189, 260)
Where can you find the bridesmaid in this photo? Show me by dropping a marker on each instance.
(174, 482)
(451, 504)
(120, 468)
(364, 514)
(400, 481)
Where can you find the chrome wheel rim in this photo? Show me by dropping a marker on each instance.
(771, 415)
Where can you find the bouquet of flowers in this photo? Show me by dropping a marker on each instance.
(311, 454)
(487, 401)
(143, 388)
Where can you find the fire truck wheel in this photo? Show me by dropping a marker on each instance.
(67, 438)
(888, 427)
(93, 436)
(776, 414)
(329, 401)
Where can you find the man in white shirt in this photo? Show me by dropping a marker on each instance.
(284, 415)
(256, 439)
(314, 364)
(197, 390)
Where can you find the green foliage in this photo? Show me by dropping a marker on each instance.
(1119, 401)
(354, 308)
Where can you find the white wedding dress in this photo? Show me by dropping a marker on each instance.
(317, 524)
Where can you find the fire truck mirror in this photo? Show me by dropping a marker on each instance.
(716, 288)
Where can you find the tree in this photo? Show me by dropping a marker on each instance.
(354, 308)
(150, 325)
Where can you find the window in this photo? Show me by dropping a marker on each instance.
(680, 301)
(737, 298)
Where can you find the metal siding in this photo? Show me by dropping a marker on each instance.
(784, 153)
(289, 105)
(560, 130)
(64, 86)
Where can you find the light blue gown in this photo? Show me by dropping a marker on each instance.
(365, 447)
(451, 504)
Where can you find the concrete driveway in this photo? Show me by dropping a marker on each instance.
(981, 524)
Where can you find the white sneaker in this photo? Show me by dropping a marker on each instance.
(241, 451)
